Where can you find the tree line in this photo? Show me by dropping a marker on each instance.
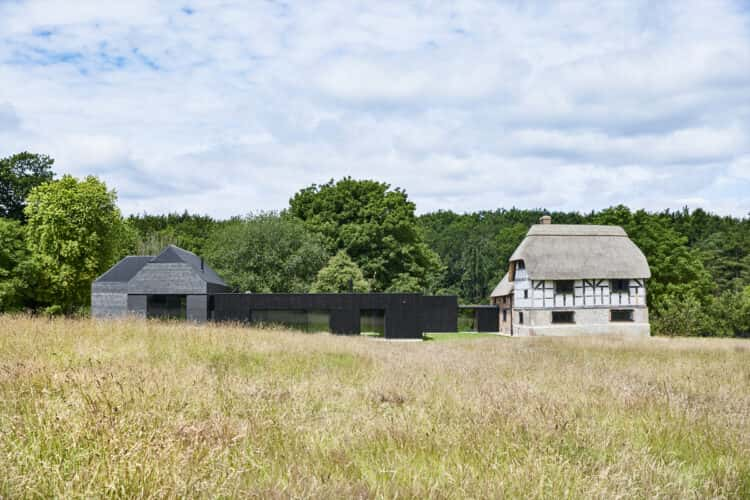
(58, 235)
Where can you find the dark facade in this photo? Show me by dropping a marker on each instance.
(178, 284)
(407, 315)
(175, 284)
(486, 317)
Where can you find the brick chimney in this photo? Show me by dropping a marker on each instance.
(545, 219)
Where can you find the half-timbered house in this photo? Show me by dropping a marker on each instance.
(574, 280)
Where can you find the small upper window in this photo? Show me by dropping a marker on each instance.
(619, 286)
(563, 317)
(525, 294)
(520, 318)
(564, 286)
(621, 315)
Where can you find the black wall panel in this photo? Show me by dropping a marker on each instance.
(407, 315)
(487, 319)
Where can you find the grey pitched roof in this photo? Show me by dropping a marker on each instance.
(560, 251)
(125, 269)
(505, 287)
(176, 254)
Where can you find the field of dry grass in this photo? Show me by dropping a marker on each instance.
(133, 409)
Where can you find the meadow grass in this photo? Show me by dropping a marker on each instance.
(151, 409)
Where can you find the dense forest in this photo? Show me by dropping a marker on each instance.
(56, 236)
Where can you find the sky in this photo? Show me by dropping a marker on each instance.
(227, 107)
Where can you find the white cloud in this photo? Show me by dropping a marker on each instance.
(224, 108)
(9, 120)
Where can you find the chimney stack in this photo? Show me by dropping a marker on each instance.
(545, 219)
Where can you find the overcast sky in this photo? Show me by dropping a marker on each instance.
(226, 107)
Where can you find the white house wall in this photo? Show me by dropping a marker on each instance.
(531, 294)
(588, 321)
(591, 301)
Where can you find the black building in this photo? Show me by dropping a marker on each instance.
(179, 284)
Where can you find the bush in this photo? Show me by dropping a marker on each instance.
(677, 316)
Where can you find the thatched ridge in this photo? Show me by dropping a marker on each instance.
(566, 252)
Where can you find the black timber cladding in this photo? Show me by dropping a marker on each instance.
(407, 315)
(176, 274)
(486, 317)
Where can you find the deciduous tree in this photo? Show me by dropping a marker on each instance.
(266, 253)
(341, 274)
(75, 232)
(19, 174)
(373, 223)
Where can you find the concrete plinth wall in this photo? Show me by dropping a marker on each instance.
(588, 321)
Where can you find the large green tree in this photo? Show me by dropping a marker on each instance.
(266, 253)
(75, 232)
(373, 223)
(676, 269)
(341, 274)
(13, 256)
(19, 174)
(188, 231)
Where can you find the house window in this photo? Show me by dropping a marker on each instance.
(621, 315)
(564, 286)
(619, 286)
(520, 271)
(520, 318)
(563, 317)
(505, 315)
(525, 294)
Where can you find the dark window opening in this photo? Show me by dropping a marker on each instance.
(166, 306)
(525, 294)
(505, 315)
(211, 307)
(520, 318)
(467, 320)
(621, 315)
(372, 322)
(563, 317)
(304, 320)
(564, 286)
(619, 286)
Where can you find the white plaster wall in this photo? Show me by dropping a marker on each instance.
(520, 290)
(588, 321)
(542, 294)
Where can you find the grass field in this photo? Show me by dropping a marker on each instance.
(134, 409)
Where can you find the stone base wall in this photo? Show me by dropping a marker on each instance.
(538, 322)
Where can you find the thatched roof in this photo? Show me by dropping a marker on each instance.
(505, 287)
(561, 251)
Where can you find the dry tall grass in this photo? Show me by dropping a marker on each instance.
(136, 409)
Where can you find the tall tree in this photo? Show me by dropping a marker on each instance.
(373, 223)
(14, 257)
(75, 233)
(19, 174)
(341, 274)
(188, 231)
(266, 253)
